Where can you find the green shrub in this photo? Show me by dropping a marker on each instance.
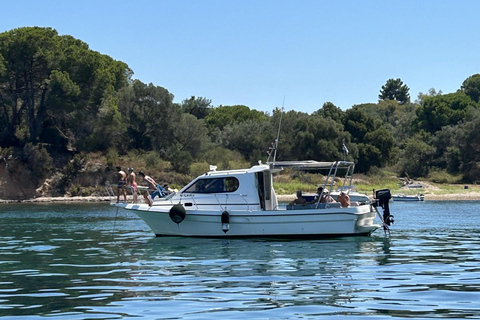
(6, 152)
(75, 190)
(37, 159)
(238, 164)
(292, 187)
(155, 163)
(86, 192)
(441, 176)
(307, 178)
(198, 168)
(112, 157)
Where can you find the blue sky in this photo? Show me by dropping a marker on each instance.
(258, 52)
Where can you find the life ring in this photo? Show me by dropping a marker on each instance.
(177, 213)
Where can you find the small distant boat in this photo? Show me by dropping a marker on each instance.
(414, 186)
(403, 197)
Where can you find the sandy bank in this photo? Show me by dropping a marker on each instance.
(454, 196)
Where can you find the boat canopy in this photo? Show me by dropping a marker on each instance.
(311, 164)
(257, 168)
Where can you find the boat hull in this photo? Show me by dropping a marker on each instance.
(407, 198)
(306, 223)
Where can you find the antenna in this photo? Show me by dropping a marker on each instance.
(274, 146)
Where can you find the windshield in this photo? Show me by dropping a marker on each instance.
(214, 185)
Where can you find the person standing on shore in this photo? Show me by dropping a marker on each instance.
(122, 184)
(132, 183)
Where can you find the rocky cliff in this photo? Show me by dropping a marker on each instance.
(19, 182)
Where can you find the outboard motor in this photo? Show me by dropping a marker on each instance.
(382, 199)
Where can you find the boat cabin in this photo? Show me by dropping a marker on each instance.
(252, 189)
(243, 189)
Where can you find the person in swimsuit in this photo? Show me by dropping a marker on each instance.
(122, 184)
(153, 187)
(344, 199)
(300, 199)
(325, 196)
(132, 183)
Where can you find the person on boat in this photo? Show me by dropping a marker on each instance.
(122, 184)
(167, 189)
(344, 199)
(325, 197)
(300, 199)
(153, 187)
(132, 183)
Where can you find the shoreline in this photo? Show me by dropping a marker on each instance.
(59, 199)
(283, 198)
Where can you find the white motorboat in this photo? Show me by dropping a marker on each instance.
(354, 195)
(403, 197)
(243, 203)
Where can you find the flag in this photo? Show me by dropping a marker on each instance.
(344, 148)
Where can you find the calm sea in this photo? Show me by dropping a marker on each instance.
(78, 261)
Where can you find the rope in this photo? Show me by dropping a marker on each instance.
(114, 223)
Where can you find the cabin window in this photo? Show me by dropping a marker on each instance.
(214, 185)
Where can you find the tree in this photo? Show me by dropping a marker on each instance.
(285, 122)
(383, 140)
(150, 116)
(329, 110)
(368, 156)
(250, 138)
(394, 89)
(471, 87)
(431, 93)
(52, 83)
(442, 110)
(199, 107)
(28, 57)
(358, 123)
(318, 138)
(417, 157)
(190, 134)
(228, 115)
(468, 142)
(374, 140)
(108, 130)
(446, 144)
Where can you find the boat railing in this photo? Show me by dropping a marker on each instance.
(332, 174)
(133, 196)
(223, 201)
(235, 195)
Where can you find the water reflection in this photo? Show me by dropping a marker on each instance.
(55, 261)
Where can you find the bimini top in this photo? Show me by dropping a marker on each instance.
(280, 165)
(310, 164)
